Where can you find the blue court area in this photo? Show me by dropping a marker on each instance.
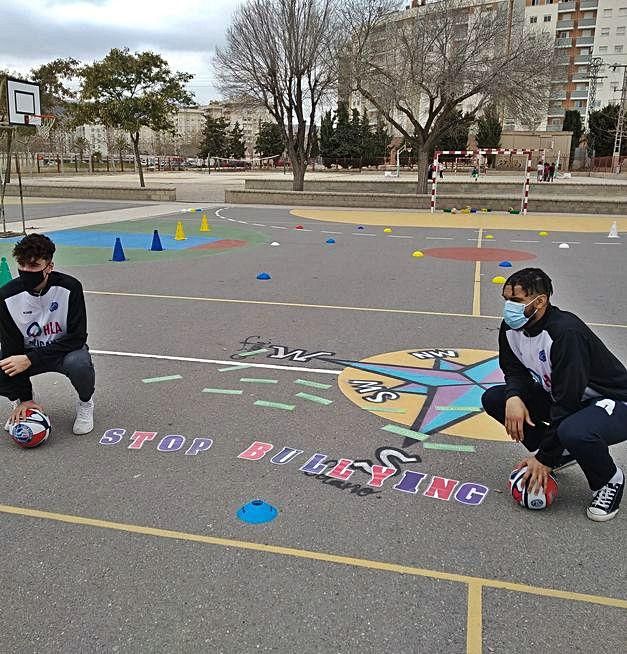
(131, 241)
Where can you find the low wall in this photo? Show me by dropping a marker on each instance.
(409, 201)
(93, 192)
(408, 187)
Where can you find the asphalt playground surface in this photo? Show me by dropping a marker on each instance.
(111, 548)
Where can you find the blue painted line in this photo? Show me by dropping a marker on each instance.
(130, 241)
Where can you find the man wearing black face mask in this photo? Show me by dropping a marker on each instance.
(43, 328)
(565, 393)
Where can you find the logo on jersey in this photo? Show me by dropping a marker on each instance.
(542, 356)
(54, 306)
(34, 330)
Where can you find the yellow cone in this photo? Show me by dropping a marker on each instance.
(204, 225)
(180, 233)
(417, 254)
(489, 237)
(498, 280)
(543, 233)
(387, 230)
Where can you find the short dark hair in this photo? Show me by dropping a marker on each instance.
(33, 247)
(531, 280)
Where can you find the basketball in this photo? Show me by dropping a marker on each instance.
(31, 431)
(523, 496)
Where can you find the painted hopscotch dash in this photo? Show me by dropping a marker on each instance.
(154, 380)
(239, 366)
(382, 409)
(222, 391)
(311, 384)
(275, 405)
(403, 431)
(251, 354)
(465, 409)
(445, 447)
(253, 380)
(314, 398)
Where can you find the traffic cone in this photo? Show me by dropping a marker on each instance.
(5, 272)
(614, 231)
(204, 225)
(180, 232)
(156, 242)
(118, 251)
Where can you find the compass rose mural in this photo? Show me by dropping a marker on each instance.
(430, 391)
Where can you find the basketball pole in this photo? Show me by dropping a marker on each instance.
(19, 182)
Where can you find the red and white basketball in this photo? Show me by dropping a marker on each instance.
(525, 497)
(33, 430)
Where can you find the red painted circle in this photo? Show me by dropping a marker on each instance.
(479, 254)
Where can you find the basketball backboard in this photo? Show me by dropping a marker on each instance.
(23, 102)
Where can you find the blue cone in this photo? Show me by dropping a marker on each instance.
(330, 241)
(256, 512)
(360, 226)
(156, 242)
(118, 251)
(263, 275)
(505, 264)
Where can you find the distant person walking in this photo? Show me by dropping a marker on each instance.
(540, 171)
(551, 172)
(545, 176)
(475, 173)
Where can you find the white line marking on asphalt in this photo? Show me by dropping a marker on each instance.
(244, 222)
(441, 238)
(218, 214)
(304, 229)
(610, 243)
(519, 241)
(569, 242)
(231, 220)
(395, 236)
(258, 224)
(277, 227)
(230, 362)
(322, 231)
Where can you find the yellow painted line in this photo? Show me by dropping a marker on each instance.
(314, 556)
(476, 295)
(474, 620)
(573, 223)
(410, 312)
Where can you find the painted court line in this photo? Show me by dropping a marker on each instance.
(258, 224)
(440, 238)
(314, 398)
(459, 408)
(222, 391)
(382, 409)
(252, 353)
(397, 236)
(253, 380)
(311, 384)
(153, 380)
(410, 312)
(277, 227)
(322, 231)
(362, 234)
(275, 405)
(240, 366)
(165, 357)
(313, 555)
(522, 241)
(403, 431)
(445, 447)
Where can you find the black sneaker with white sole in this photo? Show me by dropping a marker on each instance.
(606, 502)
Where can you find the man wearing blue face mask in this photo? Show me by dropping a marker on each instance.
(565, 393)
(43, 328)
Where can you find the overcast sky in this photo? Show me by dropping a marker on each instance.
(184, 32)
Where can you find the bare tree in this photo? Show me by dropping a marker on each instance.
(420, 66)
(283, 53)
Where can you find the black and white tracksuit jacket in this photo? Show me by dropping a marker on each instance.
(44, 325)
(572, 364)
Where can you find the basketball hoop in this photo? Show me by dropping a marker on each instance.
(43, 123)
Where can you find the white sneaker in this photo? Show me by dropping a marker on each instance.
(84, 422)
(13, 405)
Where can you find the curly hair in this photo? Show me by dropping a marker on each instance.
(531, 280)
(32, 248)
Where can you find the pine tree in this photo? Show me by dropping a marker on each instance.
(327, 139)
(315, 145)
(269, 141)
(236, 143)
(214, 142)
(574, 124)
(603, 130)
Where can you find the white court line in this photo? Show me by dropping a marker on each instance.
(519, 241)
(362, 234)
(569, 242)
(258, 224)
(277, 227)
(229, 362)
(231, 220)
(304, 229)
(322, 231)
(610, 243)
(395, 236)
(244, 222)
(441, 238)
(218, 214)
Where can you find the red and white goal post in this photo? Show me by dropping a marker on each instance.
(482, 152)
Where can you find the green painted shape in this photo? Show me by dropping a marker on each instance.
(153, 380)
(250, 354)
(252, 380)
(445, 447)
(275, 405)
(311, 384)
(383, 410)
(222, 391)
(403, 431)
(314, 398)
(240, 366)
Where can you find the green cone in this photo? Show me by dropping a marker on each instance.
(5, 273)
